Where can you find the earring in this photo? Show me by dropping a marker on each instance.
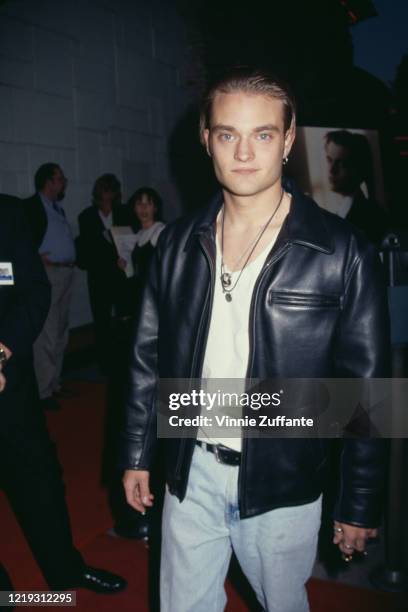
(285, 161)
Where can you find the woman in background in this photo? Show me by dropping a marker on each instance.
(145, 213)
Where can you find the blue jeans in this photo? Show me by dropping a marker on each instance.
(276, 550)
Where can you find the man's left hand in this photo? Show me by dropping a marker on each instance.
(8, 354)
(6, 350)
(350, 538)
(2, 382)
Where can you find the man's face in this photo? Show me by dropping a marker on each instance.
(247, 141)
(57, 185)
(342, 176)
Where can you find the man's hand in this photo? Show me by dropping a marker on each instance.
(350, 538)
(136, 483)
(2, 382)
(8, 354)
(2, 377)
(6, 350)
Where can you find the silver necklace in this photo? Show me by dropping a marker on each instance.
(226, 277)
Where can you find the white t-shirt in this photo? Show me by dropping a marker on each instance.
(227, 350)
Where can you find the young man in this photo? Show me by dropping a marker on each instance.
(262, 284)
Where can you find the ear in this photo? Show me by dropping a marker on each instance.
(206, 141)
(289, 140)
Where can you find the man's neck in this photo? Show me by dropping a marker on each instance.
(250, 225)
(247, 211)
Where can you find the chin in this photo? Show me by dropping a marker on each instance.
(245, 190)
(240, 191)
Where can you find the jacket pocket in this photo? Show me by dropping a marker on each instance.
(303, 300)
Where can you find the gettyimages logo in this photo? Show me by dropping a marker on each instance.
(321, 408)
(221, 399)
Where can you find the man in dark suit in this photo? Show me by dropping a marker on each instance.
(30, 473)
(98, 256)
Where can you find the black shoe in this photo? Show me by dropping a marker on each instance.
(101, 581)
(50, 403)
(140, 532)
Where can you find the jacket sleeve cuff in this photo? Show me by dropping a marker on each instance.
(361, 508)
(132, 455)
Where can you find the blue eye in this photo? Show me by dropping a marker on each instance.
(264, 136)
(227, 137)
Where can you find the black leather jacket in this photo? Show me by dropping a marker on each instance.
(319, 309)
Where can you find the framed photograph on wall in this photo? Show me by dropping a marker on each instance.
(341, 170)
(333, 164)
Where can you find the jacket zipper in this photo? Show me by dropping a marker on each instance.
(194, 372)
(255, 293)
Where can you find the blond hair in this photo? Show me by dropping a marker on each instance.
(248, 80)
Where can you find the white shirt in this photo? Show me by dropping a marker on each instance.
(227, 350)
(107, 220)
(151, 234)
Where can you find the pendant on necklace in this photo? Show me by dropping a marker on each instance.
(228, 297)
(226, 279)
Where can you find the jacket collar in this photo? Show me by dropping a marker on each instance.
(305, 223)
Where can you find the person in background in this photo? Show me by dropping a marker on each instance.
(350, 167)
(97, 255)
(145, 214)
(30, 473)
(52, 237)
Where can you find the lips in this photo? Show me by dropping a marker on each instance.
(245, 170)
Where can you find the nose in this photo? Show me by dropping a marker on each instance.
(243, 150)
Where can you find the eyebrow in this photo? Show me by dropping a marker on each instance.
(221, 126)
(269, 127)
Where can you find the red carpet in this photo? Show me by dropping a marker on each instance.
(80, 450)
